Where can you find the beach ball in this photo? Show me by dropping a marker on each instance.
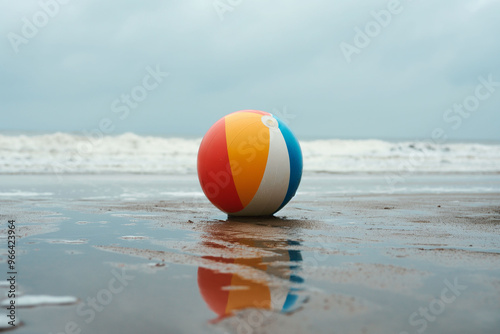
(249, 164)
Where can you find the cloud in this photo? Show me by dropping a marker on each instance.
(261, 55)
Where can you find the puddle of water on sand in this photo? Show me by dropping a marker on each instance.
(184, 274)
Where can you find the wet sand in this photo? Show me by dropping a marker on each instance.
(352, 262)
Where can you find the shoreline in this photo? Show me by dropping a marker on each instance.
(360, 262)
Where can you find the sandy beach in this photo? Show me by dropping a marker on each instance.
(148, 253)
(363, 138)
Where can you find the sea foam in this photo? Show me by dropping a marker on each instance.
(64, 153)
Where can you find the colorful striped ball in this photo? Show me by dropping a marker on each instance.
(249, 164)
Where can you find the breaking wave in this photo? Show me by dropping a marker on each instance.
(131, 153)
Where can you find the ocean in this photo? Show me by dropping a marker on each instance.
(64, 153)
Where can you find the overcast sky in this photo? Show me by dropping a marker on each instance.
(328, 67)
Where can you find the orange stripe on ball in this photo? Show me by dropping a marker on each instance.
(248, 149)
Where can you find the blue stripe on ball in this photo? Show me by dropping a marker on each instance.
(295, 155)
